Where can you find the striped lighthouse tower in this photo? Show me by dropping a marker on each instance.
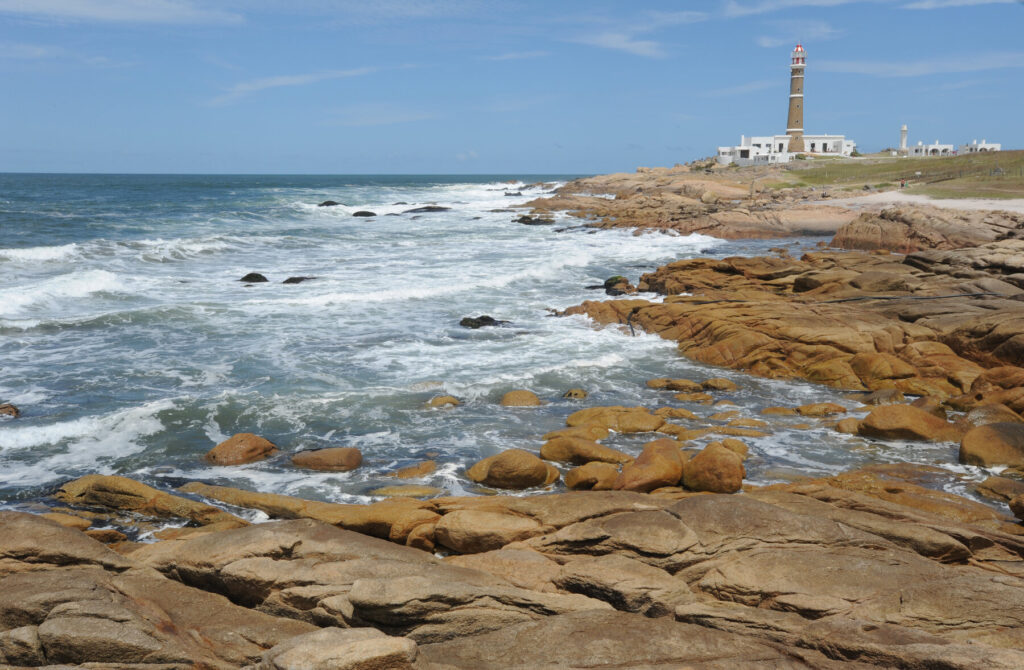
(795, 125)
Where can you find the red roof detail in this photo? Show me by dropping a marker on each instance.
(799, 47)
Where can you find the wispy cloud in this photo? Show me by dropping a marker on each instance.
(377, 114)
(248, 87)
(122, 11)
(741, 89)
(627, 37)
(788, 32)
(948, 65)
(518, 55)
(942, 4)
(733, 8)
(16, 51)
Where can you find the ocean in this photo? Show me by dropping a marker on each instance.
(132, 348)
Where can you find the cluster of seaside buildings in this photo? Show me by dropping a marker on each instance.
(772, 149)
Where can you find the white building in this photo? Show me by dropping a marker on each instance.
(977, 147)
(771, 149)
(936, 149)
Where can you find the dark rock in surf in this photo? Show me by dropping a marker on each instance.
(328, 203)
(527, 220)
(513, 195)
(480, 321)
(363, 212)
(10, 410)
(296, 280)
(426, 209)
(253, 277)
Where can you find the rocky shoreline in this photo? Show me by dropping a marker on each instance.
(669, 559)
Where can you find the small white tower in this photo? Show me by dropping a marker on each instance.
(903, 139)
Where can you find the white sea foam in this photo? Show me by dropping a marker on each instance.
(17, 301)
(39, 254)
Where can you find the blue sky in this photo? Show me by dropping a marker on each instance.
(479, 86)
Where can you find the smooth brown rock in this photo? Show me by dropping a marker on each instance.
(700, 398)
(991, 413)
(719, 384)
(333, 459)
(520, 398)
(588, 431)
(617, 418)
(240, 449)
(512, 469)
(658, 465)
(524, 568)
(127, 494)
(391, 519)
(664, 383)
(413, 471)
(67, 520)
(904, 422)
(779, 411)
(408, 491)
(444, 401)
(7, 409)
(737, 447)
(676, 413)
(627, 584)
(575, 394)
(850, 426)
(341, 649)
(715, 469)
(821, 409)
(1002, 489)
(596, 476)
(994, 444)
(883, 397)
(580, 451)
(931, 405)
(475, 531)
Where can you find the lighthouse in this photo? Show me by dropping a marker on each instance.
(795, 125)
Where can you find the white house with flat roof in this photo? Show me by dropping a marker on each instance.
(771, 149)
(935, 149)
(978, 147)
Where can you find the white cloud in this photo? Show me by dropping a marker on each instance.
(949, 65)
(623, 42)
(942, 4)
(18, 51)
(626, 38)
(128, 11)
(246, 87)
(735, 9)
(741, 89)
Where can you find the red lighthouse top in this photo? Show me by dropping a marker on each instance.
(799, 55)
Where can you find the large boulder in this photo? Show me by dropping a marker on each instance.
(513, 469)
(241, 448)
(659, 464)
(994, 444)
(595, 476)
(905, 422)
(475, 531)
(715, 469)
(579, 451)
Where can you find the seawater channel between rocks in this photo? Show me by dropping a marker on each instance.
(132, 348)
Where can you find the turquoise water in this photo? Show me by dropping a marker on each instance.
(132, 348)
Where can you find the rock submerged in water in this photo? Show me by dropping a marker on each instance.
(7, 409)
(521, 398)
(482, 321)
(329, 203)
(575, 394)
(535, 220)
(296, 280)
(364, 213)
(240, 449)
(253, 278)
(428, 209)
(331, 459)
(444, 401)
